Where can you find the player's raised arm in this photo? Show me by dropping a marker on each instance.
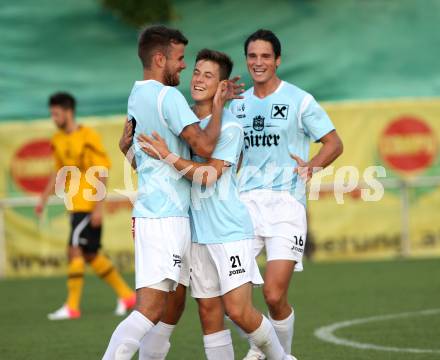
(203, 141)
(205, 173)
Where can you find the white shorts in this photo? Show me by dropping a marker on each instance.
(219, 268)
(280, 224)
(161, 246)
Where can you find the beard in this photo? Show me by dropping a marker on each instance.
(171, 78)
(63, 124)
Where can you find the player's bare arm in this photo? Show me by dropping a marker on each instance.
(330, 150)
(205, 173)
(203, 141)
(126, 139)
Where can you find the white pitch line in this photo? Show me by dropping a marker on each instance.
(325, 333)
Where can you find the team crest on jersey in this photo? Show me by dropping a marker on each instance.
(240, 110)
(258, 123)
(279, 111)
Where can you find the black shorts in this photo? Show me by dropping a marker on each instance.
(83, 234)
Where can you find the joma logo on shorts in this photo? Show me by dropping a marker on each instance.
(238, 271)
(294, 248)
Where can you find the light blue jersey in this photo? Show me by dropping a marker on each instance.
(217, 214)
(162, 191)
(280, 124)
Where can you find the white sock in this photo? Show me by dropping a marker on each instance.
(284, 330)
(156, 344)
(267, 341)
(126, 338)
(218, 346)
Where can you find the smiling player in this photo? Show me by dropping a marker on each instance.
(279, 120)
(223, 266)
(160, 214)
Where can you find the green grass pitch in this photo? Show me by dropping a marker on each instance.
(323, 294)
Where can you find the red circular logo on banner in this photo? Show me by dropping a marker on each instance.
(32, 165)
(408, 145)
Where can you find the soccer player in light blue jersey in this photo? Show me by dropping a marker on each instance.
(279, 121)
(160, 216)
(223, 265)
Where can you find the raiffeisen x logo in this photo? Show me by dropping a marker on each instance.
(279, 111)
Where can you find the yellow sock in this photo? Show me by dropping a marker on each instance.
(75, 282)
(104, 268)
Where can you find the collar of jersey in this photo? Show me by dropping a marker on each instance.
(143, 82)
(276, 90)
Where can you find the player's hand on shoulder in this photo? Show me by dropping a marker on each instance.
(154, 145)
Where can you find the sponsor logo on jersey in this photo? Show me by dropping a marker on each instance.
(257, 140)
(258, 123)
(279, 111)
(240, 111)
(252, 139)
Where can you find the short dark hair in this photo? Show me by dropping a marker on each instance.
(266, 35)
(157, 37)
(224, 61)
(63, 99)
